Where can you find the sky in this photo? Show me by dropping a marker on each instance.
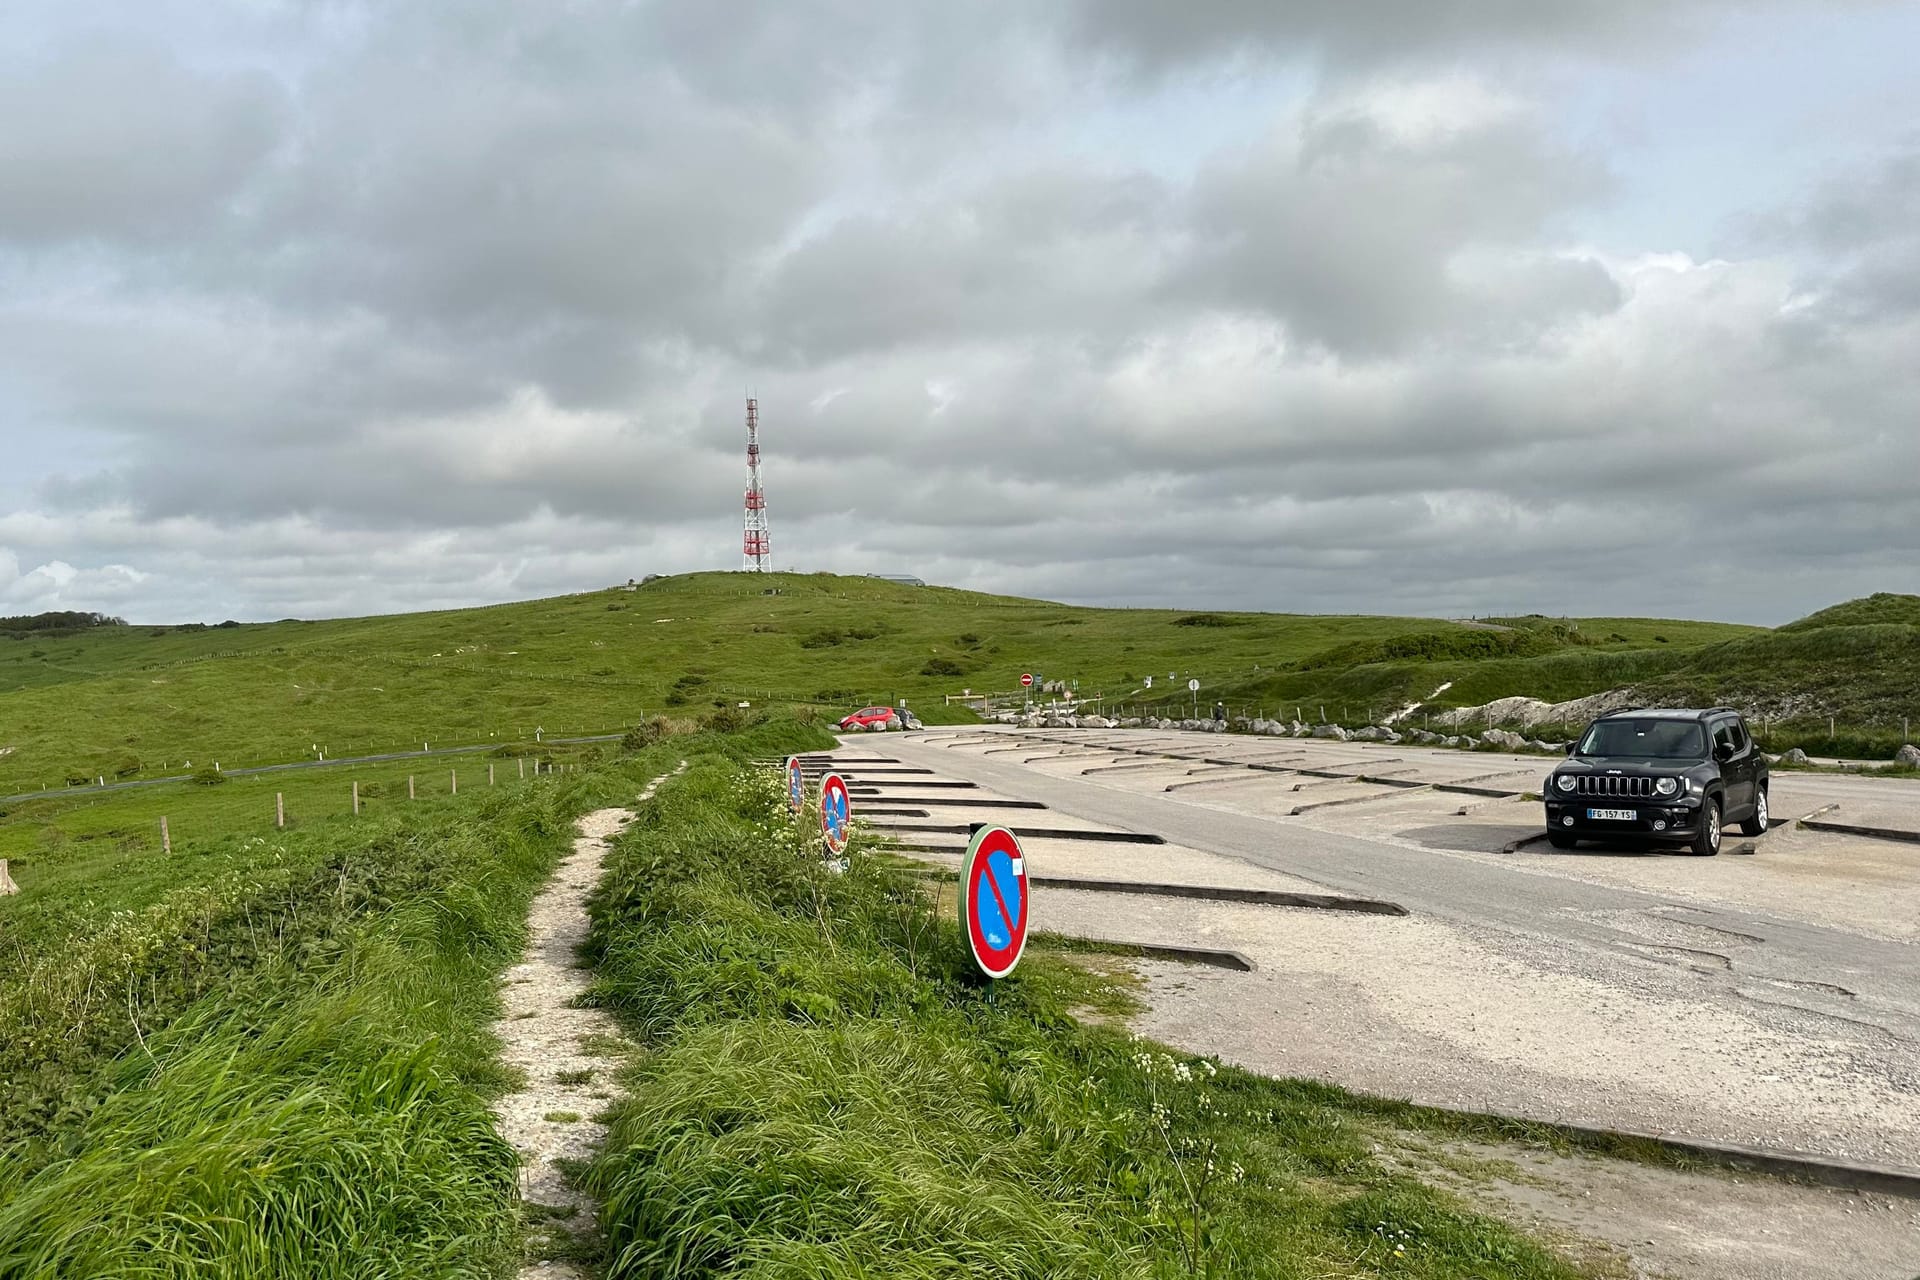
(316, 308)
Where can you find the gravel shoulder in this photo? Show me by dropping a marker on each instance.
(1650, 1223)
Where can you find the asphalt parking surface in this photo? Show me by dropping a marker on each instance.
(1768, 998)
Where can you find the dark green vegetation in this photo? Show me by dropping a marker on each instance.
(269, 1056)
(828, 1090)
(1858, 663)
(133, 702)
(21, 624)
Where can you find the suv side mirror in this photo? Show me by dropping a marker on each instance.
(1572, 747)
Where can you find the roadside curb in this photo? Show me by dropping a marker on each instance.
(1227, 893)
(1874, 833)
(922, 802)
(1396, 793)
(1515, 846)
(1796, 1165)
(1201, 892)
(1232, 960)
(1036, 833)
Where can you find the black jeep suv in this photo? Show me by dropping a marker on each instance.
(1659, 775)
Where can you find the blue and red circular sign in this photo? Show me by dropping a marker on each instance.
(796, 785)
(993, 900)
(836, 813)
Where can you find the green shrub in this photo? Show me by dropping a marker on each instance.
(728, 719)
(942, 667)
(648, 732)
(208, 776)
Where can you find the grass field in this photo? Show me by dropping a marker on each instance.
(828, 1089)
(268, 1055)
(131, 702)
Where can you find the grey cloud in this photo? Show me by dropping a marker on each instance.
(1348, 232)
(1157, 35)
(1026, 253)
(106, 137)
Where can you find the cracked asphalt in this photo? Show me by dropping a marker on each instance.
(1769, 999)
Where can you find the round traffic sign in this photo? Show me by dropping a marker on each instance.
(796, 785)
(1193, 686)
(836, 813)
(1027, 679)
(993, 900)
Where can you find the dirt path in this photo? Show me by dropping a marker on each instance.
(563, 1052)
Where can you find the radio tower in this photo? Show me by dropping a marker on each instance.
(758, 555)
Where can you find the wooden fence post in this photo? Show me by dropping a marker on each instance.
(7, 885)
(523, 768)
(489, 773)
(166, 838)
(453, 786)
(356, 797)
(280, 810)
(409, 786)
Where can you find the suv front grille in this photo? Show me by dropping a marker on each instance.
(1599, 784)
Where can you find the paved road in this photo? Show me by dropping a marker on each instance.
(52, 792)
(1546, 986)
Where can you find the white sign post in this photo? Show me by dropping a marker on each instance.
(1193, 687)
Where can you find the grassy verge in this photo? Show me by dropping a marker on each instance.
(829, 1091)
(272, 1057)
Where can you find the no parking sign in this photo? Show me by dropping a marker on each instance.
(993, 900)
(836, 813)
(796, 785)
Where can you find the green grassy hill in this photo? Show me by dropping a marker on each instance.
(138, 701)
(134, 701)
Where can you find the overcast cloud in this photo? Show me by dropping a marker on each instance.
(1406, 307)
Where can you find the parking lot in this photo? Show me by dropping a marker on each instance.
(1768, 997)
(1385, 918)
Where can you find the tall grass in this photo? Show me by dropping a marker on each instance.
(321, 1111)
(283, 1069)
(830, 1091)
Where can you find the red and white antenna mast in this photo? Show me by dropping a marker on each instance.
(758, 557)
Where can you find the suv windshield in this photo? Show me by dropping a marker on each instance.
(1647, 739)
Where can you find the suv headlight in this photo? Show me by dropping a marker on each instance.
(1563, 781)
(1666, 786)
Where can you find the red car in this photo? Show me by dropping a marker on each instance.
(880, 718)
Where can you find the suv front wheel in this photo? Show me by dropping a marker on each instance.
(1706, 841)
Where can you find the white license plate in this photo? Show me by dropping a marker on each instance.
(1612, 815)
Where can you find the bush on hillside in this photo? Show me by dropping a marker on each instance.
(649, 731)
(208, 776)
(942, 667)
(729, 719)
(59, 620)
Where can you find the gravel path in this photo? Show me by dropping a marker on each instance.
(546, 1036)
